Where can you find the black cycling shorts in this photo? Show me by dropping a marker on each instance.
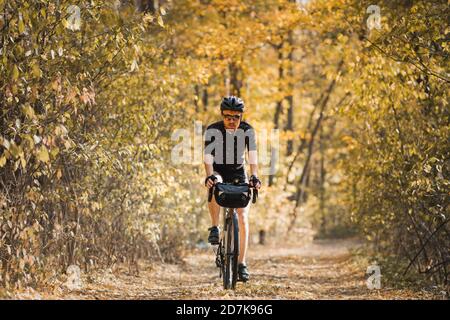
(233, 177)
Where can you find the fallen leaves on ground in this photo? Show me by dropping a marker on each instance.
(319, 270)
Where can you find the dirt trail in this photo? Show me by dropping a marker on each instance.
(320, 270)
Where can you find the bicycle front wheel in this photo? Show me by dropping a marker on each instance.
(227, 261)
(231, 252)
(235, 245)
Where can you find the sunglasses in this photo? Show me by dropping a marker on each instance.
(232, 117)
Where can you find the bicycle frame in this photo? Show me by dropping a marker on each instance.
(227, 253)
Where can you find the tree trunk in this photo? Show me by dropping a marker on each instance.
(196, 97)
(310, 147)
(205, 97)
(290, 97)
(150, 6)
(235, 79)
(278, 110)
(322, 182)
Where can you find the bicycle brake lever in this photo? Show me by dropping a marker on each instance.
(210, 194)
(255, 195)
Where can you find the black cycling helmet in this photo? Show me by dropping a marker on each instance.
(232, 103)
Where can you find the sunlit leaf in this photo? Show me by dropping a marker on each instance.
(160, 21)
(2, 161)
(42, 155)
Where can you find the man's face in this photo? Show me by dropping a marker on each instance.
(231, 119)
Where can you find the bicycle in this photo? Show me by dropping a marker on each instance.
(227, 253)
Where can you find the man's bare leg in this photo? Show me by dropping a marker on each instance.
(214, 212)
(243, 233)
(214, 208)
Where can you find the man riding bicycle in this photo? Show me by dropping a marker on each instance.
(225, 145)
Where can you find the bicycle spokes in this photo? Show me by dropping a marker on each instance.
(218, 258)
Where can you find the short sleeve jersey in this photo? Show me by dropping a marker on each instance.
(228, 146)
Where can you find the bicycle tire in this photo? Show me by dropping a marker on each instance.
(227, 265)
(235, 257)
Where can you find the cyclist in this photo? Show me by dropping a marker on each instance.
(225, 145)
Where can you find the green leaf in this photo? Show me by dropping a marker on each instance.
(15, 150)
(28, 111)
(36, 71)
(15, 73)
(2, 161)
(23, 162)
(21, 26)
(42, 155)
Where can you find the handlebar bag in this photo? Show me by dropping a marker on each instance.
(232, 196)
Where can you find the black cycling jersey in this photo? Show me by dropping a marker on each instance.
(228, 148)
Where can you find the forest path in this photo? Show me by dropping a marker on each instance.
(323, 269)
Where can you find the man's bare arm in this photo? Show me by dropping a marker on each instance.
(209, 160)
(253, 161)
(254, 170)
